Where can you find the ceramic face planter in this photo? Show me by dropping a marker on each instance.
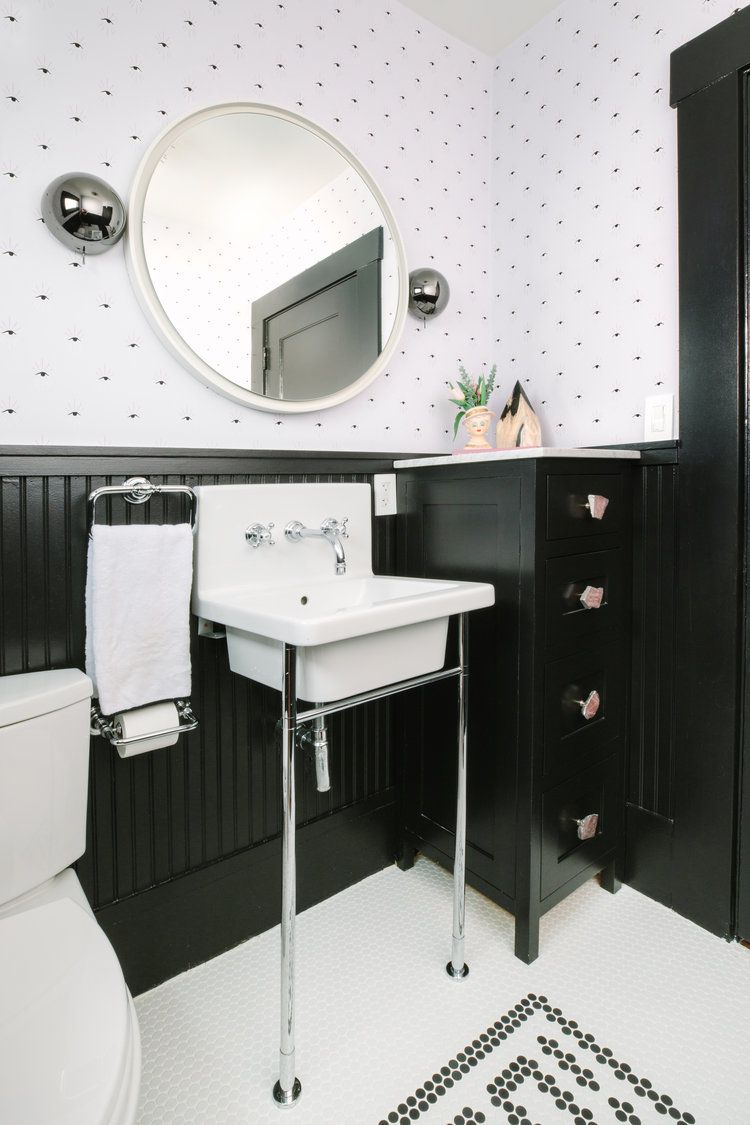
(477, 423)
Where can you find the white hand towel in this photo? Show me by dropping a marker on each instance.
(138, 614)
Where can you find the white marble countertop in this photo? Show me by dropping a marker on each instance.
(518, 455)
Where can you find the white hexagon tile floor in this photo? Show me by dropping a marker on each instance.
(631, 1014)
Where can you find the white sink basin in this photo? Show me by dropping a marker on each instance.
(353, 632)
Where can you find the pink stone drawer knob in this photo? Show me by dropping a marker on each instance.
(592, 597)
(597, 506)
(588, 826)
(590, 705)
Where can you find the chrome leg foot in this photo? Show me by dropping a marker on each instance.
(457, 974)
(457, 967)
(287, 1090)
(285, 1098)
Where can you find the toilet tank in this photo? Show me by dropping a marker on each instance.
(44, 753)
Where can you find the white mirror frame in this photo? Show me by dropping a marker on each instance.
(141, 279)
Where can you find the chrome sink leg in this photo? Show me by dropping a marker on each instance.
(288, 1088)
(457, 967)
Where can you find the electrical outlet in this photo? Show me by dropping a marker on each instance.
(659, 418)
(384, 489)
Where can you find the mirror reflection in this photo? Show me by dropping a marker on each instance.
(270, 255)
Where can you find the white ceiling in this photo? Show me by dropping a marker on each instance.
(488, 25)
(237, 174)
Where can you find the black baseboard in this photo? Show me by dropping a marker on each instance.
(648, 859)
(177, 925)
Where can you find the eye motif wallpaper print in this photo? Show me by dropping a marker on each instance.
(89, 86)
(542, 184)
(584, 227)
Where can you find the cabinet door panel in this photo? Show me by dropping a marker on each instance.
(595, 577)
(570, 739)
(568, 508)
(469, 530)
(592, 792)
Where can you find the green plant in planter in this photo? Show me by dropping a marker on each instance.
(467, 393)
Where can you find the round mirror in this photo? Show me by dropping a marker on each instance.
(266, 258)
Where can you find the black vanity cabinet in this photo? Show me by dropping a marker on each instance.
(548, 675)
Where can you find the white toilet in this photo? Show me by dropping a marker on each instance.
(69, 1044)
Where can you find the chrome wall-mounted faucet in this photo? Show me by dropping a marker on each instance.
(330, 529)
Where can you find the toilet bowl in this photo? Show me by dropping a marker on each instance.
(69, 1042)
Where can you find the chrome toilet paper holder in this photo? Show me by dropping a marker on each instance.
(108, 727)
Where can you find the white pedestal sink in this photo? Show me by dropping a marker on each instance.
(308, 616)
(353, 632)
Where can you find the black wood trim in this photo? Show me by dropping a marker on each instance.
(652, 744)
(60, 460)
(360, 259)
(648, 859)
(741, 914)
(712, 466)
(652, 452)
(329, 271)
(182, 923)
(742, 924)
(717, 53)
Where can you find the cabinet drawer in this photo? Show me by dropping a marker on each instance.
(593, 791)
(597, 577)
(568, 509)
(570, 738)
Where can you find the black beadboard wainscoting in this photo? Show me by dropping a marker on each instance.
(652, 743)
(183, 852)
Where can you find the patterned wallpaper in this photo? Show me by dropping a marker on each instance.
(584, 225)
(577, 231)
(87, 86)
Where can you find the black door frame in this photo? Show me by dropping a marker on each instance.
(361, 258)
(711, 844)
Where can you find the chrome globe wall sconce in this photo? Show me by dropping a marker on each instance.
(429, 293)
(84, 213)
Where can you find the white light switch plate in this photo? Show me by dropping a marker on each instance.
(659, 418)
(384, 492)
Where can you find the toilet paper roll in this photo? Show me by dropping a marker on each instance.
(146, 720)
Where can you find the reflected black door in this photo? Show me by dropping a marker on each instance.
(320, 331)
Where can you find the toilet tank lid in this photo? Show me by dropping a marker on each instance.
(31, 694)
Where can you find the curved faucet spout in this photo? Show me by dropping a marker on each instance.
(330, 529)
(334, 533)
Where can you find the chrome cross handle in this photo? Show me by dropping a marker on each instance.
(331, 528)
(258, 535)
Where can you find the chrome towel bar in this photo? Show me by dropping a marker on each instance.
(137, 490)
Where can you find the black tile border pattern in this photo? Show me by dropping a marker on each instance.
(520, 1069)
